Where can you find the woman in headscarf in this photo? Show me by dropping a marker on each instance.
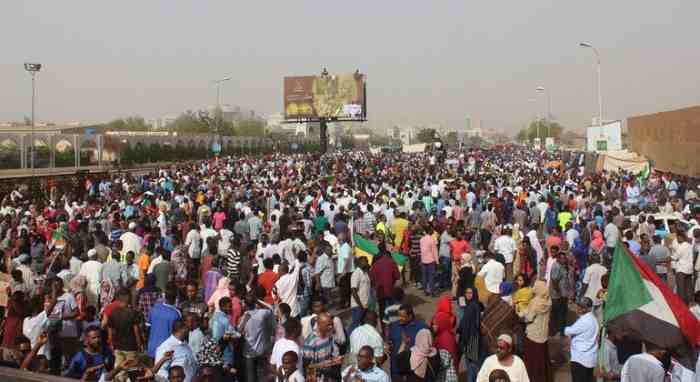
(421, 363)
(469, 331)
(77, 289)
(148, 295)
(522, 294)
(12, 326)
(536, 317)
(526, 258)
(597, 244)
(443, 323)
(535, 245)
(220, 292)
(211, 280)
(107, 292)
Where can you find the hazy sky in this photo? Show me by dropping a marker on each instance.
(426, 61)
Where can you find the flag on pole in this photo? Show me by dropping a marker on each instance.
(365, 248)
(645, 307)
(368, 249)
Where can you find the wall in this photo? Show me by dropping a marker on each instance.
(69, 150)
(671, 139)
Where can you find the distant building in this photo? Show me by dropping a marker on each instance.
(161, 123)
(275, 122)
(472, 128)
(405, 134)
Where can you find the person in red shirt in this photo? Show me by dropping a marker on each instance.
(458, 247)
(553, 240)
(384, 274)
(268, 279)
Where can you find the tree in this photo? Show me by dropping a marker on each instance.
(348, 141)
(452, 138)
(250, 128)
(541, 128)
(426, 135)
(190, 123)
(379, 140)
(134, 123)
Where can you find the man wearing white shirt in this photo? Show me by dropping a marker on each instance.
(571, 234)
(193, 242)
(493, 273)
(131, 242)
(92, 270)
(330, 237)
(345, 267)
(542, 205)
(505, 245)
(646, 367)
(584, 340)
(206, 232)
(592, 281)
(285, 288)
(682, 255)
(292, 332)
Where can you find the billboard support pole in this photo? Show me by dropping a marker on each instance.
(323, 131)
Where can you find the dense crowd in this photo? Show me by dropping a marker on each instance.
(300, 267)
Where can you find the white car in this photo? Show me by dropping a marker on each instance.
(663, 221)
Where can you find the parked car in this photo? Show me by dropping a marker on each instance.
(663, 221)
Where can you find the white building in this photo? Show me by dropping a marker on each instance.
(161, 123)
(405, 134)
(472, 128)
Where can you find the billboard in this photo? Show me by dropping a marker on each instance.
(605, 138)
(340, 97)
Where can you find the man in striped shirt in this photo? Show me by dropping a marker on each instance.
(319, 347)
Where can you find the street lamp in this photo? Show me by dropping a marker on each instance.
(547, 106)
(219, 83)
(32, 68)
(535, 119)
(600, 96)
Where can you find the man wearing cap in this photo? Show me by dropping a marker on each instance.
(505, 360)
(584, 342)
(131, 242)
(22, 264)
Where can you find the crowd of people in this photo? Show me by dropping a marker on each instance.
(302, 267)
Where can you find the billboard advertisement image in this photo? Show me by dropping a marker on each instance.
(325, 96)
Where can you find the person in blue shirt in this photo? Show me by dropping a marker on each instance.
(365, 369)
(161, 319)
(408, 326)
(95, 359)
(221, 328)
(634, 246)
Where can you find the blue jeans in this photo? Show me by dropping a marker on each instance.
(358, 315)
(428, 277)
(445, 273)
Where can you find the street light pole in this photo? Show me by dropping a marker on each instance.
(537, 122)
(547, 107)
(218, 113)
(32, 68)
(33, 124)
(600, 93)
